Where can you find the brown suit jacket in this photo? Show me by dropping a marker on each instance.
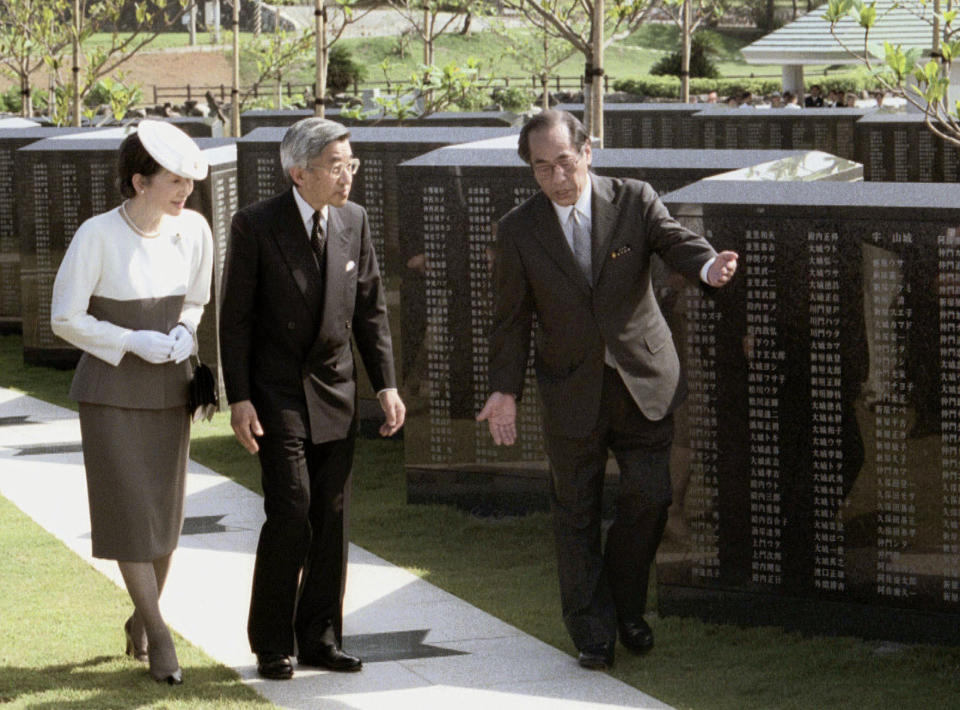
(285, 330)
(535, 272)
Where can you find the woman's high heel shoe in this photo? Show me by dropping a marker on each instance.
(138, 651)
(162, 657)
(175, 678)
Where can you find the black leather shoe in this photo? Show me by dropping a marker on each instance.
(331, 657)
(597, 658)
(274, 666)
(636, 635)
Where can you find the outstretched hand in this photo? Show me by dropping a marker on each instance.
(722, 269)
(500, 413)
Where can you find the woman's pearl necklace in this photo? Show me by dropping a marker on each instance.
(133, 225)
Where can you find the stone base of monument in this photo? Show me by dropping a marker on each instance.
(59, 358)
(808, 616)
(513, 488)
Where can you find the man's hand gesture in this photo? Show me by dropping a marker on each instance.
(500, 413)
(722, 269)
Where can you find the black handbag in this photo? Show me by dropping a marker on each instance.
(202, 397)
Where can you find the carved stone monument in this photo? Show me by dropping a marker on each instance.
(898, 147)
(453, 198)
(830, 130)
(648, 125)
(819, 443)
(12, 138)
(265, 118)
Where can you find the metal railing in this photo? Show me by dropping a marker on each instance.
(221, 92)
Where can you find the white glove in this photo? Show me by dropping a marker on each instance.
(183, 343)
(151, 345)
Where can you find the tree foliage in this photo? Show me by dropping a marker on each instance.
(922, 78)
(573, 22)
(32, 34)
(273, 54)
(427, 90)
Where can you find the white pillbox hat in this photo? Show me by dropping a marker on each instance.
(172, 149)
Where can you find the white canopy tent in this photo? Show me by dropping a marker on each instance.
(808, 41)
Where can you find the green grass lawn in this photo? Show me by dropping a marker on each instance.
(502, 565)
(62, 639)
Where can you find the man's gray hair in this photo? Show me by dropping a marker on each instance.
(306, 139)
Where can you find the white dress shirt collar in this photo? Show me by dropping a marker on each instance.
(583, 205)
(306, 211)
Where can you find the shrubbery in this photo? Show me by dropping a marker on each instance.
(342, 71)
(700, 63)
(512, 98)
(11, 101)
(668, 87)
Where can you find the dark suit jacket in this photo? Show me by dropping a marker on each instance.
(535, 271)
(285, 331)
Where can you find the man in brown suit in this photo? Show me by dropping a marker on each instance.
(300, 282)
(577, 254)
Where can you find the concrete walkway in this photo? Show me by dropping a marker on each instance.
(422, 647)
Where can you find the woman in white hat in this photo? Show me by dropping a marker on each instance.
(129, 293)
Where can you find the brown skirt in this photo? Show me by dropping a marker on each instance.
(136, 463)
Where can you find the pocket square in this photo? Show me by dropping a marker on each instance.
(351, 265)
(625, 249)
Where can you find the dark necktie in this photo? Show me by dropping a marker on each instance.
(318, 241)
(581, 244)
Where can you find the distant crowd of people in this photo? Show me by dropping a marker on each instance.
(790, 100)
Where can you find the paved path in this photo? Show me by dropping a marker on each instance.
(422, 647)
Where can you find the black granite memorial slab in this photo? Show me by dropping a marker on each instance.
(819, 442)
(197, 126)
(899, 147)
(12, 138)
(647, 125)
(453, 198)
(828, 129)
(266, 118)
(69, 179)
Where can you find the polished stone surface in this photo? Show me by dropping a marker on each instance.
(454, 196)
(899, 147)
(819, 442)
(13, 137)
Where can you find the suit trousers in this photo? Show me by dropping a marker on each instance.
(301, 565)
(600, 586)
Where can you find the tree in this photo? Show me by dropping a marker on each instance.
(330, 23)
(273, 54)
(87, 17)
(922, 81)
(427, 90)
(589, 26)
(537, 51)
(689, 15)
(424, 17)
(32, 34)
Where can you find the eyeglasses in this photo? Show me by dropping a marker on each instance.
(567, 165)
(337, 169)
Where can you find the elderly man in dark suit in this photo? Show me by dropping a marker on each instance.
(577, 254)
(300, 281)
